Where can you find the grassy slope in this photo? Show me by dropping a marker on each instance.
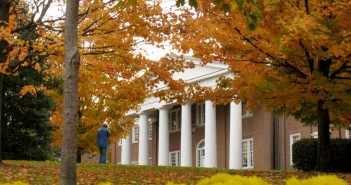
(48, 173)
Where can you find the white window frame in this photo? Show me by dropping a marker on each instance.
(134, 163)
(200, 114)
(293, 139)
(176, 119)
(176, 160)
(247, 153)
(200, 153)
(245, 113)
(314, 135)
(347, 134)
(150, 131)
(135, 134)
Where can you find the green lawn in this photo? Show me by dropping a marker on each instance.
(48, 173)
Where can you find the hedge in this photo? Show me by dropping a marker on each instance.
(305, 154)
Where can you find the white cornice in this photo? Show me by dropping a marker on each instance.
(215, 70)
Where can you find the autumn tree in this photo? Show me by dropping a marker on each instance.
(4, 17)
(19, 22)
(113, 77)
(291, 56)
(70, 96)
(26, 127)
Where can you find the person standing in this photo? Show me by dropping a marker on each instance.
(102, 141)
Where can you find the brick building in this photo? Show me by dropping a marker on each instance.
(200, 134)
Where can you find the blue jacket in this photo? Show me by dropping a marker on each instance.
(102, 135)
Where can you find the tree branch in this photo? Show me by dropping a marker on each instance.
(341, 68)
(308, 57)
(307, 8)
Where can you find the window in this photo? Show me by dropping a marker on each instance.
(134, 162)
(150, 131)
(135, 134)
(174, 120)
(150, 160)
(174, 158)
(314, 135)
(200, 153)
(247, 147)
(293, 139)
(348, 134)
(244, 112)
(200, 113)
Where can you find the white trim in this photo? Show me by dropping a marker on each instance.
(150, 131)
(200, 153)
(347, 134)
(293, 139)
(314, 135)
(176, 117)
(134, 163)
(245, 113)
(120, 142)
(135, 134)
(247, 149)
(176, 155)
(200, 114)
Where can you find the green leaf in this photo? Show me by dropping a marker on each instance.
(180, 3)
(226, 8)
(132, 3)
(193, 3)
(120, 4)
(218, 1)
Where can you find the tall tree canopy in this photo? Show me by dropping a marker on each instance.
(113, 76)
(111, 29)
(296, 59)
(27, 131)
(23, 41)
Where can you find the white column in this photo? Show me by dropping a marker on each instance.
(125, 155)
(235, 141)
(210, 135)
(163, 142)
(143, 139)
(186, 140)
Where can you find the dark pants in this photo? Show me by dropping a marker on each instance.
(102, 159)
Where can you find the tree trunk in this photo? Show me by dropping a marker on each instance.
(323, 153)
(70, 97)
(4, 51)
(79, 156)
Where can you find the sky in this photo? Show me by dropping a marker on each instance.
(149, 51)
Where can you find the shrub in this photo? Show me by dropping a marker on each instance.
(305, 154)
(340, 154)
(16, 183)
(319, 180)
(222, 178)
(226, 179)
(232, 179)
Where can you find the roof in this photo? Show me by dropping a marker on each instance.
(199, 73)
(204, 75)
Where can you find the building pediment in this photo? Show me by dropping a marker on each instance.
(204, 75)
